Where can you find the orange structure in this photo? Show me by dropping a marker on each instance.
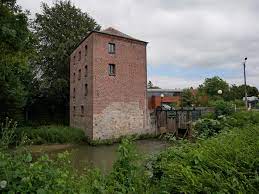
(169, 96)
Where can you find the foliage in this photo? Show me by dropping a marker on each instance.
(16, 48)
(150, 85)
(127, 175)
(227, 163)
(24, 175)
(222, 107)
(7, 133)
(188, 98)
(59, 29)
(207, 127)
(238, 92)
(52, 134)
(212, 85)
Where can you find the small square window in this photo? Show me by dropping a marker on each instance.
(86, 71)
(79, 74)
(111, 48)
(79, 56)
(86, 50)
(82, 110)
(112, 70)
(86, 89)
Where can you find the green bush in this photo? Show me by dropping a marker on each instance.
(223, 107)
(227, 163)
(53, 134)
(207, 127)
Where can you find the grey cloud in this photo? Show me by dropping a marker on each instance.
(204, 33)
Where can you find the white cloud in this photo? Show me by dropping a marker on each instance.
(202, 33)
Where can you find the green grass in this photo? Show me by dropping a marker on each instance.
(52, 134)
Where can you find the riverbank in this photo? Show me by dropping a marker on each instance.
(225, 160)
(99, 156)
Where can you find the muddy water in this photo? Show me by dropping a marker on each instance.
(102, 156)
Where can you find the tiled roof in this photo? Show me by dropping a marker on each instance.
(114, 32)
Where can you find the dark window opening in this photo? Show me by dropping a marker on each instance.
(74, 61)
(82, 110)
(86, 71)
(86, 89)
(111, 48)
(74, 93)
(79, 74)
(74, 77)
(112, 70)
(79, 56)
(85, 50)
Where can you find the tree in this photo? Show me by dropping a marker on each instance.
(238, 92)
(150, 85)
(212, 85)
(58, 29)
(15, 51)
(188, 99)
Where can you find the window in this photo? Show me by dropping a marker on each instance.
(86, 89)
(111, 48)
(82, 110)
(79, 56)
(74, 110)
(74, 60)
(86, 71)
(112, 70)
(85, 50)
(74, 77)
(79, 74)
(74, 93)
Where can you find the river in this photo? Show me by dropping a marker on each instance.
(101, 156)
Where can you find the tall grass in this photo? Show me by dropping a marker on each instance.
(53, 134)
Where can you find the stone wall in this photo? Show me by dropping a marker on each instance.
(120, 119)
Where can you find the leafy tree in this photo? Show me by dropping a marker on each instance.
(150, 85)
(59, 29)
(238, 92)
(212, 85)
(15, 51)
(187, 97)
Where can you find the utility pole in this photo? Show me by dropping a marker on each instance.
(245, 83)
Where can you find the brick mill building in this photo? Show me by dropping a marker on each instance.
(108, 81)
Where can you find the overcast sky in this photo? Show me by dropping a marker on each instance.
(189, 40)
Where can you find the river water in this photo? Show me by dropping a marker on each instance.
(102, 156)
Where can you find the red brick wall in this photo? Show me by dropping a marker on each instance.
(129, 84)
(77, 119)
(115, 105)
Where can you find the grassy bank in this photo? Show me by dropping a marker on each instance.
(225, 162)
(52, 134)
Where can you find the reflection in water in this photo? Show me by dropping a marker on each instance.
(103, 156)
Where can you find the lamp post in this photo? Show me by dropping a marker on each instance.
(244, 64)
(162, 96)
(219, 92)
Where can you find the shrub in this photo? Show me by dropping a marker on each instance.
(223, 107)
(227, 163)
(207, 127)
(53, 134)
